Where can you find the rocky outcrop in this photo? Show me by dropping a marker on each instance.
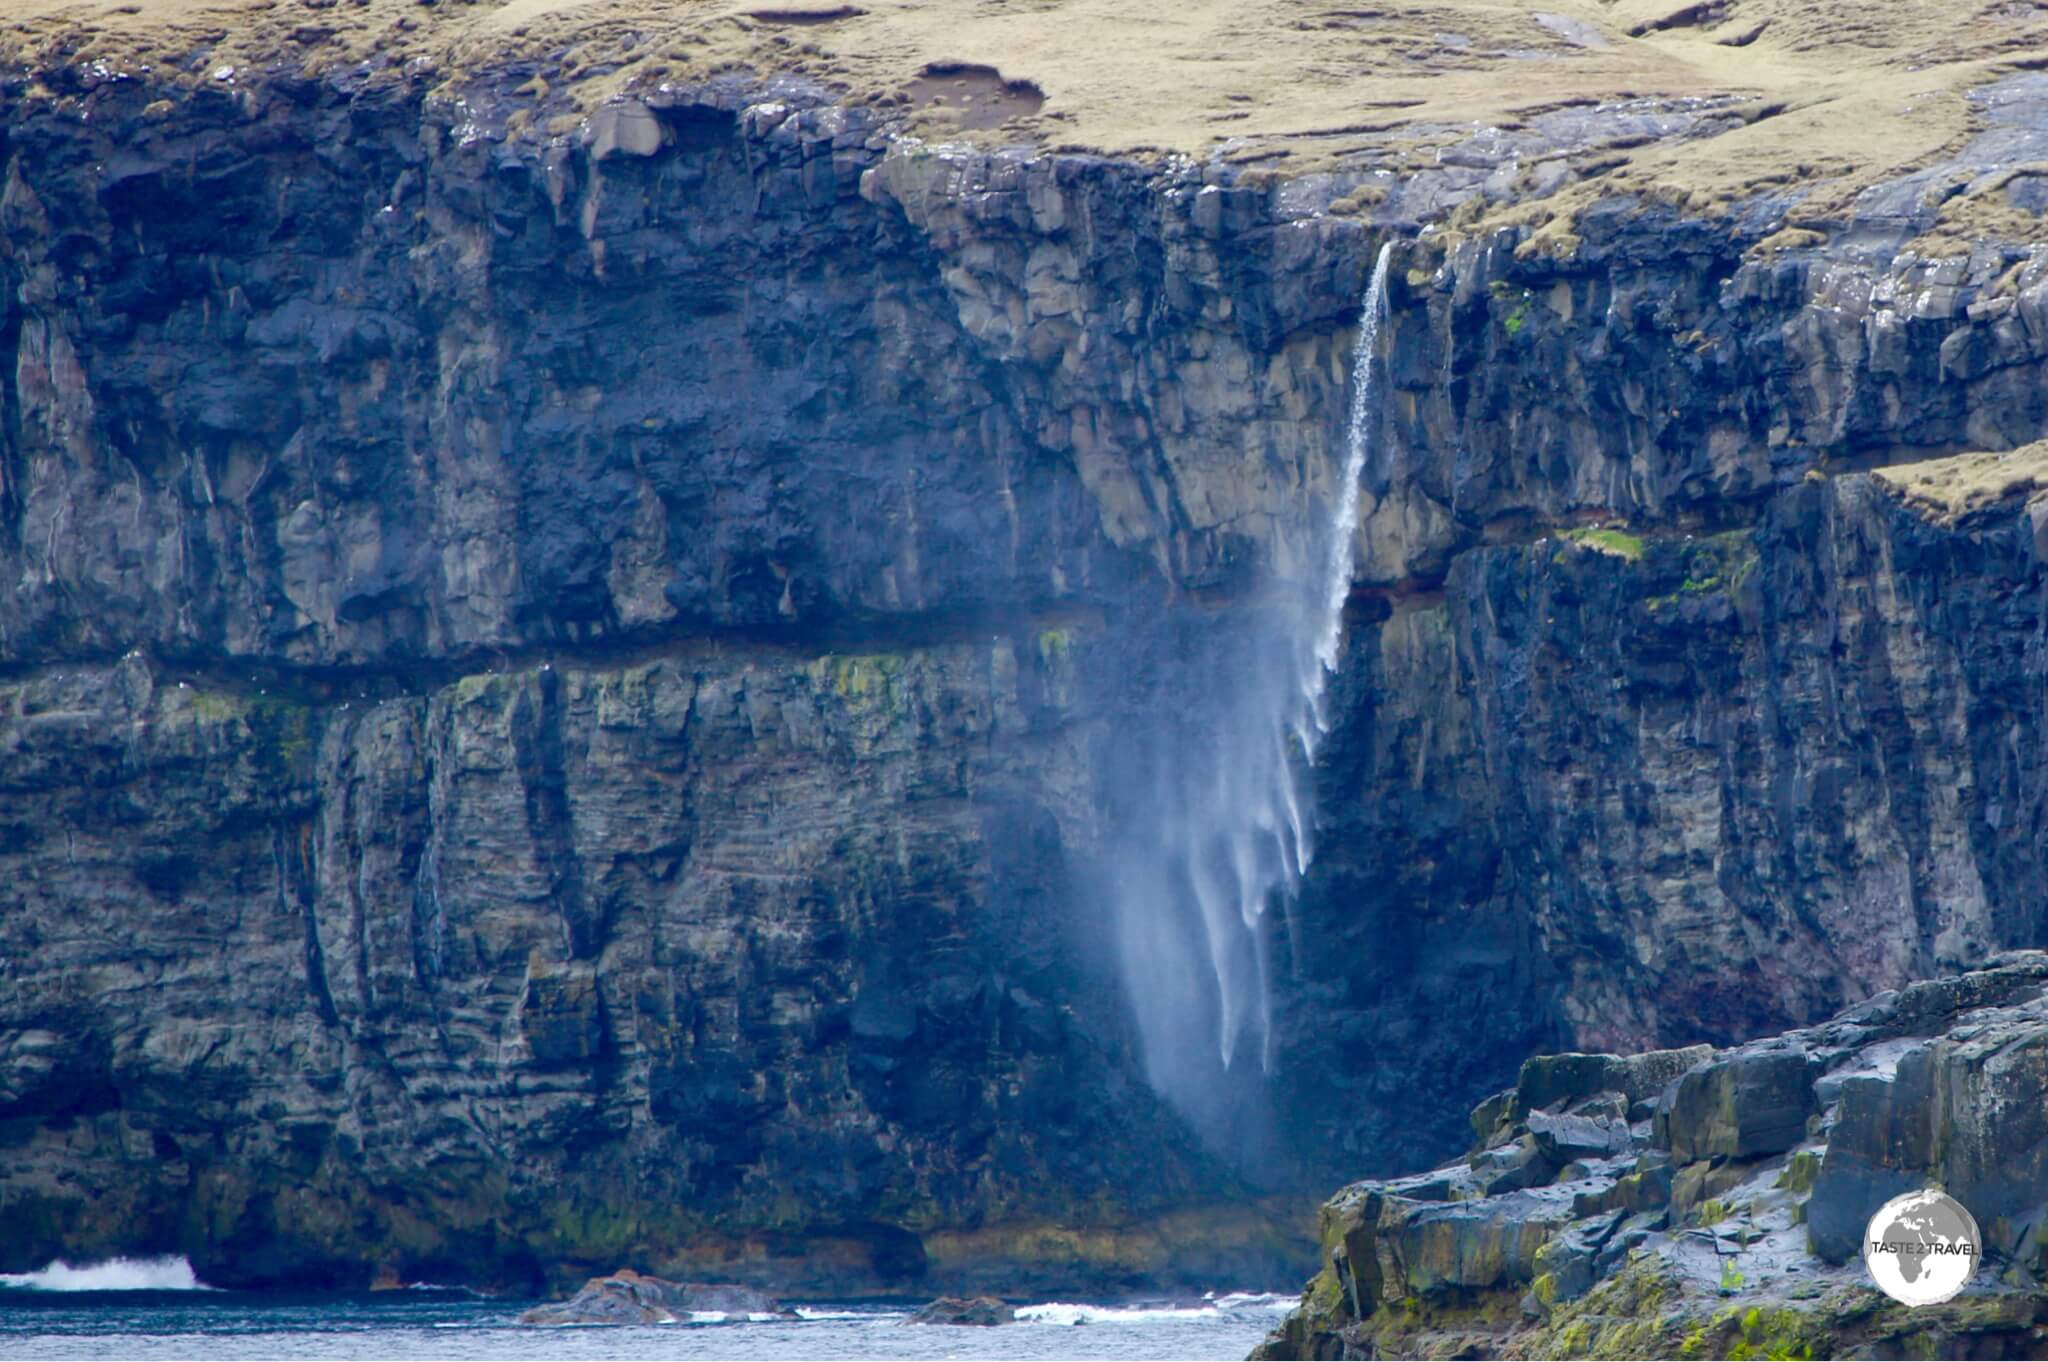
(1721, 1216)
(980, 1312)
(565, 696)
(627, 1297)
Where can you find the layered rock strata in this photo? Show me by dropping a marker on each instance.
(563, 695)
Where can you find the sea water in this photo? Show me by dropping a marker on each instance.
(73, 1314)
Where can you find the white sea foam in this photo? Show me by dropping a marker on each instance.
(168, 1273)
(1211, 1307)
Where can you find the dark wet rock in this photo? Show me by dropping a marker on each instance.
(1742, 1107)
(1962, 1111)
(579, 672)
(627, 1297)
(1735, 1242)
(1489, 1242)
(1696, 1184)
(1512, 1167)
(1562, 1139)
(981, 1311)
(1489, 1114)
(1570, 1259)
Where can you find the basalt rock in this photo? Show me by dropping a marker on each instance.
(1759, 1258)
(980, 1312)
(1565, 1138)
(627, 1297)
(562, 695)
(1753, 1105)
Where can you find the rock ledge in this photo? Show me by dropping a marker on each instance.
(1694, 1203)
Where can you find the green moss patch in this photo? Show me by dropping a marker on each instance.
(871, 677)
(1616, 543)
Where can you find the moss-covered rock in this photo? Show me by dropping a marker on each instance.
(1705, 1251)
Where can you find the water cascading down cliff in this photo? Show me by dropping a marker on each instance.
(1222, 831)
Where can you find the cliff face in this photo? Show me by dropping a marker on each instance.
(1745, 777)
(563, 699)
(549, 712)
(1686, 695)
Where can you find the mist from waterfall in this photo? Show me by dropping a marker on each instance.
(1225, 831)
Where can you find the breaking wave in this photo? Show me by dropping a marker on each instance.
(168, 1273)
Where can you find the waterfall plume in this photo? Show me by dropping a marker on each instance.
(1223, 831)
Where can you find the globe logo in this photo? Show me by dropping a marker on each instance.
(1921, 1248)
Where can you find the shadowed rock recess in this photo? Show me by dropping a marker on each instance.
(570, 676)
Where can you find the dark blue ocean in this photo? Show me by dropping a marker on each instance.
(56, 1314)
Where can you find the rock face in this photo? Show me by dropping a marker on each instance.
(980, 1312)
(627, 1297)
(581, 742)
(1720, 1224)
(560, 696)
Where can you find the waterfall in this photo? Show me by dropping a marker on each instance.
(1343, 536)
(1221, 831)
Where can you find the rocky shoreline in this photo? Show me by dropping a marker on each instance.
(1701, 1203)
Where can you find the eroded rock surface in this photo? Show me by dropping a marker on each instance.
(1728, 1223)
(561, 692)
(980, 1312)
(628, 1297)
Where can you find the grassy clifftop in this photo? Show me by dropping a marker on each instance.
(1830, 95)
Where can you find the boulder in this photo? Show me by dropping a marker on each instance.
(1549, 1081)
(1646, 1189)
(1512, 1167)
(1561, 1139)
(1489, 1115)
(629, 1297)
(1881, 1145)
(1747, 1105)
(1994, 1141)
(980, 1311)
(1567, 1259)
(1964, 1112)
(1469, 1245)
